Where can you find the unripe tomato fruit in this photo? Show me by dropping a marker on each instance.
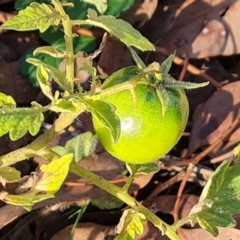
(146, 135)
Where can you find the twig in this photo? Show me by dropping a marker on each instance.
(161, 187)
(220, 158)
(77, 184)
(179, 195)
(204, 153)
(185, 63)
(5, 16)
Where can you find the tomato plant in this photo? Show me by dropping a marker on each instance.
(139, 113)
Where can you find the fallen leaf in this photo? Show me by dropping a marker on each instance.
(115, 55)
(165, 204)
(215, 117)
(140, 12)
(15, 84)
(84, 231)
(204, 29)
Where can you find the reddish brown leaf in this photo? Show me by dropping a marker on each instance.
(215, 116)
(203, 29)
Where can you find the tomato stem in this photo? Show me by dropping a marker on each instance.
(121, 194)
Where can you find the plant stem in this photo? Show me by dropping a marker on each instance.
(34, 148)
(130, 179)
(182, 221)
(123, 196)
(68, 36)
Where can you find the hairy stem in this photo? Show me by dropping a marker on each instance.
(122, 195)
(68, 36)
(40, 143)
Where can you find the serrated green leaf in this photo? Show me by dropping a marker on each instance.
(6, 101)
(65, 105)
(101, 5)
(54, 174)
(50, 50)
(107, 203)
(18, 121)
(36, 16)
(220, 199)
(10, 174)
(105, 113)
(82, 145)
(58, 76)
(120, 29)
(43, 79)
(130, 224)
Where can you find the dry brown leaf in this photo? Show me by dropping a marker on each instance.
(115, 55)
(215, 117)
(84, 231)
(165, 204)
(224, 234)
(203, 29)
(140, 13)
(20, 41)
(15, 84)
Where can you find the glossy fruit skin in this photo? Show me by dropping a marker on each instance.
(146, 135)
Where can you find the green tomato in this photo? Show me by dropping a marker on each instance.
(146, 134)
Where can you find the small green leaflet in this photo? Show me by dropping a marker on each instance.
(43, 80)
(52, 177)
(81, 146)
(130, 225)
(20, 120)
(50, 50)
(27, 200)
(146, 169)
(105, 113)
(9, 174)
(101, 5)
(120, 29)
(220, 198)
(53, 174)
(57, 75)
(36, 16)
(65, 105)
(107, 203)
(6, 101)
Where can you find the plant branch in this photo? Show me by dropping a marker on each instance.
(130, 179)
(123, 196)
(40, 143)
(68, 36)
